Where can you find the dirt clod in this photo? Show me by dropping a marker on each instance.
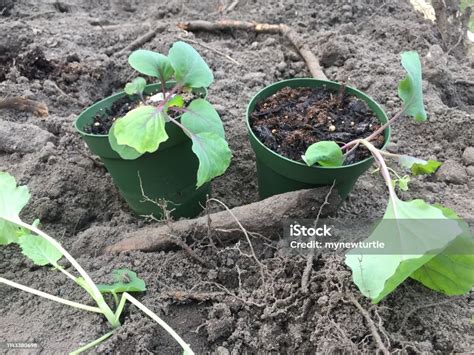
(452, 172)
(468, 156)
(23, 138)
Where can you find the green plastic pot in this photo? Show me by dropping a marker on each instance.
(277, 174)
(167, 174)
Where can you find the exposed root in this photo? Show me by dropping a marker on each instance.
(309, 260)
(370, 323)
(259, 263)
(173, 236)
(229, 293)
(95, 161)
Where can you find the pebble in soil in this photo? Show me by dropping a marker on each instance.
(292, 119)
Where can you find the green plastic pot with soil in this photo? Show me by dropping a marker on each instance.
(162, 143)
(285, 118)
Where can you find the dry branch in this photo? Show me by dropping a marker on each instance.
(231, 7)
(303, 49)
(140, 41)
(228, 57)
(264, 216)
(23, 104)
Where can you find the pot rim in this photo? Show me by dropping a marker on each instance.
(387, 131)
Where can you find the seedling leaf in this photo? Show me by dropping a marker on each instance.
(410, 89)
(402, 182)
(325, 153)
(202, 117)
(175, 101)
(213, 153)
(413, 233)
(39, 250)
(190, 69)
(124, 151)
(135, 87)
(125, 281)
(142, 129)
(151, 63)
(418, 166)
(12, 200)
(451, 271)
(428, 167)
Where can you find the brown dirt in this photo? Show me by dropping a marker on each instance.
(78, 203)
(289, 121)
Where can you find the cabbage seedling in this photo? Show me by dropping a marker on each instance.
(143, 129)
(44, 250)
(428, 243)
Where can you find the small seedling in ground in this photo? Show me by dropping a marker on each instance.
(43, 250)
(428, 243)
(143, 129)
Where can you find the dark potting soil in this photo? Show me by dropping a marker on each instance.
(292, 119)
(104, 120)
(106, 117)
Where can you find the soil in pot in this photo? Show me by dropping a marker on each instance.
(292, 119)
(103, 121)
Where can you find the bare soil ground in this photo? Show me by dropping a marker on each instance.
(62, 53)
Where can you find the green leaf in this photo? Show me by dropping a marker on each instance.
(125, 281)
(413, 233)
(135, 87)
(213, 153)
(325, 153)
(151, 63)
(124, 151)
(418, 166)
(175, 101)
(402, 182)
(12, 201)
(39, 250)
(142, 129)
(428, 167)
(190, 69)
(451, 271)
(202, 117)
(410, 89)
